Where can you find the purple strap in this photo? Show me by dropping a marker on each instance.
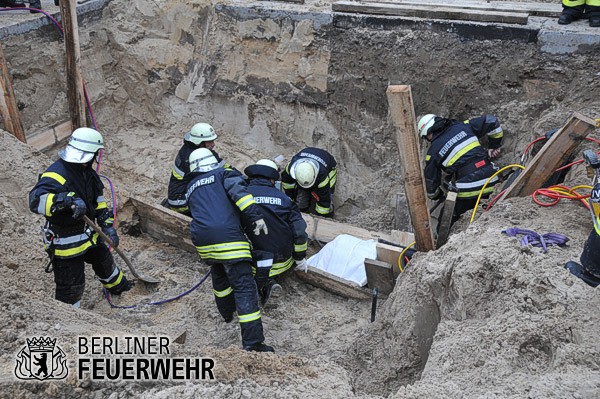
(537, 240)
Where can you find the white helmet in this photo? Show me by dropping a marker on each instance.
(83, 145)
(200, 132)
(203, 160)
(305, 171)
(263, 168)
(425, 123)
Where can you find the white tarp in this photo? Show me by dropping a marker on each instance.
(345, 257)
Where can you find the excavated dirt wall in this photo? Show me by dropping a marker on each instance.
(482, 317)
(276, 79)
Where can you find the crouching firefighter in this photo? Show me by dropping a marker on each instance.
(589, 269)
(221, 206)
(455, 151)
(287, 241)
(69, 189)
(309, 178)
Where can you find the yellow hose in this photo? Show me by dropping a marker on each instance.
(402, 254)
(486, 183)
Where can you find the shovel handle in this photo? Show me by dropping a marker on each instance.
(121, 254)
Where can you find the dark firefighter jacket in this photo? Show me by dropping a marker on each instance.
(71, 237)
(180, 176)
(455, 149)
(287, 229)
(322, 190)
(220, 203)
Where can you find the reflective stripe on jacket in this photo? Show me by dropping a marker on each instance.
(72, 238)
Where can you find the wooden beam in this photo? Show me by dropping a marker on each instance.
(326, 230)
(446, 220)
(380, 275)
(402, 114)
(432, 12)
(550, 10)
(8, 104)
(75, 94)
(334, 284)
(164, 225)
(556, 151)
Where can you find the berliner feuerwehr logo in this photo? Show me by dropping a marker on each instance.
(41, 360)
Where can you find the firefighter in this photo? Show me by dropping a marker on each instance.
(221, 207)
(69, 189)
(577, 9)
(455, 151)
(310, 177)
(589, 269)
(287, 240)
(201, 135)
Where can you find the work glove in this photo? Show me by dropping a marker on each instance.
(494, 152)
(78, 207)
(595, 195)
(111, 232)
(259, 226)
(302, 265)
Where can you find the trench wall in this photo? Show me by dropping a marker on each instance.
(280, 79)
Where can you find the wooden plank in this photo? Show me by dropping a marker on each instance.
(432, 12)
(402, 114)
(164, 224)
(380, 275)
(535, 9)
(8, 104)
(334, 284)
(556, 151)
(75, 93)
(446, 221)
(326, 230)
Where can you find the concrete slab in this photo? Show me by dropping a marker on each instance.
(21, 22)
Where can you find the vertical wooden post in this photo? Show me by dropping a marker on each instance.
(68, 11)
(8, 104)
(402, 113)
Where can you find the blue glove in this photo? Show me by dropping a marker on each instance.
(78, 207)
(112, 234)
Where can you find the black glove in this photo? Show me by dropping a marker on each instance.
(111, 232)
(79, 208)
(438, 195)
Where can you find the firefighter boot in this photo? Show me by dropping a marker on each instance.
(262, 347)
(577, 270)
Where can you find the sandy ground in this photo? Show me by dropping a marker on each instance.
(482, 317)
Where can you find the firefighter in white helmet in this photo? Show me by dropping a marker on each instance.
(69, 189)
(201, 135)
(309, 178)
(221, 207)
(456, 152)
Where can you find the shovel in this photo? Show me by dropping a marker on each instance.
(93, 225)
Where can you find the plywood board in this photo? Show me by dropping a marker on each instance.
(380, 275)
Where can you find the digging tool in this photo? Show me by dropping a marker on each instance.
(98, 230)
